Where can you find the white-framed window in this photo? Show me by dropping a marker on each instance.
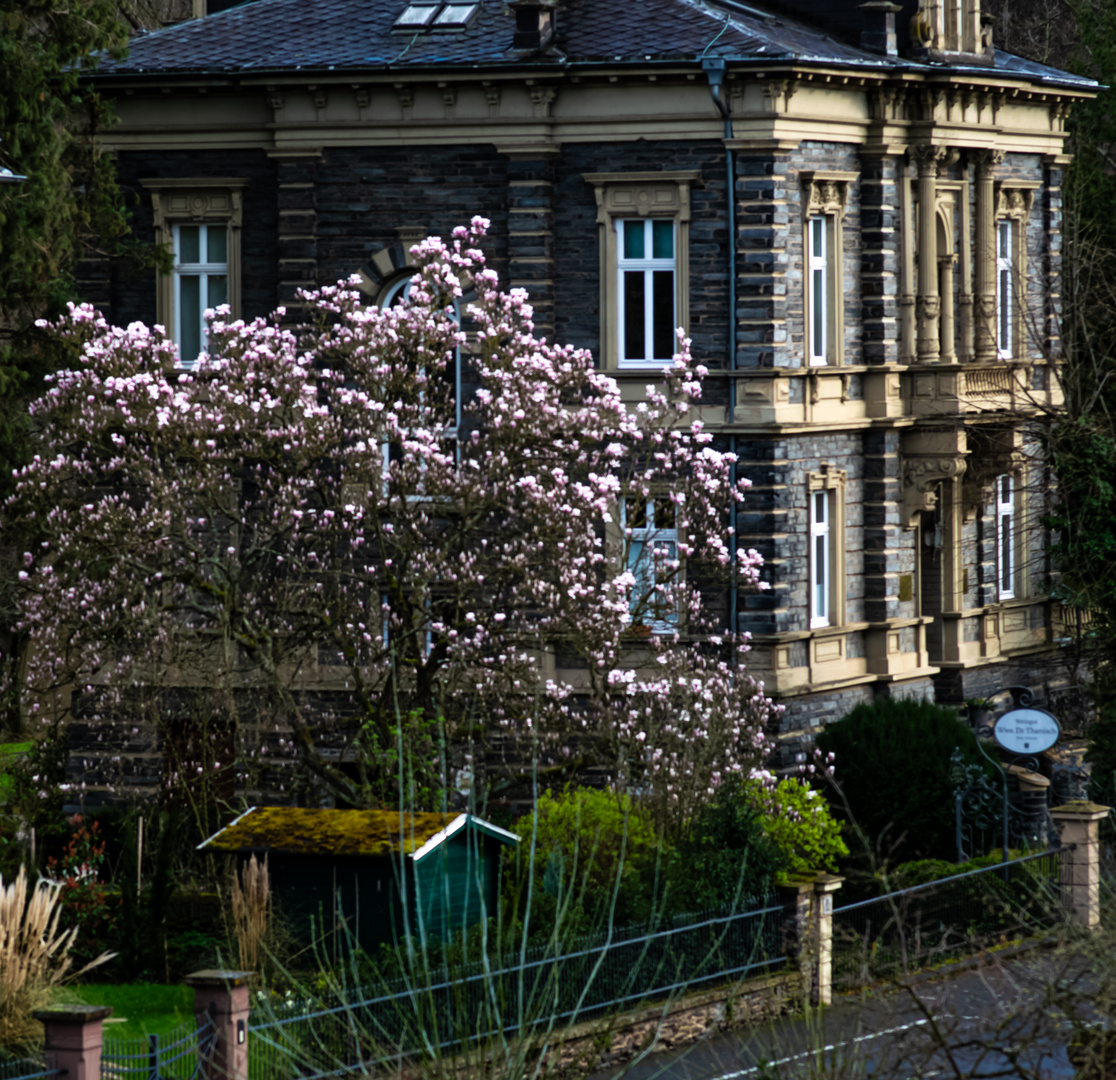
(643, 221)
(1005, 273)
(201, 281)
(651, 531)
(646, 291)
(198, 221)
(820, 288)
(1006, 570)
(821, 559)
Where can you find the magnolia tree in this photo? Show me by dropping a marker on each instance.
(370, 542)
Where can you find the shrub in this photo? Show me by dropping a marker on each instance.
(729, 858)
(797, 821)
(590, 846)
(893, 772)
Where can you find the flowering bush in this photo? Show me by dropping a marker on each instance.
(797, 820)
(336, 535)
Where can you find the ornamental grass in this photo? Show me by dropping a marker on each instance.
(34, 957)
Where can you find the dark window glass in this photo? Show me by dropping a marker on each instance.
(663, 316)
(634, 341)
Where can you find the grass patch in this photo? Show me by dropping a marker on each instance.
(146, 1008)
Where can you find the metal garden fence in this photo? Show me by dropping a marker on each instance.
(26, 1069)
(354, 1029)
(901, 931)
(175, 1055)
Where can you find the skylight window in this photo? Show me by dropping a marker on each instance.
(417, 15)
(455, 14)
(440, 15)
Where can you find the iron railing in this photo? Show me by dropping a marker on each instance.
(898, 932)
(353, 1029)
(174, 1055)
(30, 1068)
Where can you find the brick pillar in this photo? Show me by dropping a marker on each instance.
(797, 939)
(880, 265)
(825, 885)
(1079, 825)
(224, 995)
(74, 1039)
(530, 231)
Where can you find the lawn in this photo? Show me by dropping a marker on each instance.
(138, 1009)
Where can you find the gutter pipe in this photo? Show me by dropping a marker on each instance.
(714, 68)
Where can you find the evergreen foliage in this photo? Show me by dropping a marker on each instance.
(895, 785)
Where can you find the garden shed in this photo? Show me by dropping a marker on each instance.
(360, 867)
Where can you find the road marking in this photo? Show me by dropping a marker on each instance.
(740, 1073)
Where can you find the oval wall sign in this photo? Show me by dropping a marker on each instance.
(1027, 731)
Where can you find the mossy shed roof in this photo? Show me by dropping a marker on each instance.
(296, 831)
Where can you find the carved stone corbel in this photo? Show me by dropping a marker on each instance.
(921, 476)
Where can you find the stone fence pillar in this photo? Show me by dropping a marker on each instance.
(224, 995)
(825, 885)
(808, 933)
(74, 1038)
(1079, 827)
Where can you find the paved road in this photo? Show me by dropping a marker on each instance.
(995, 1020)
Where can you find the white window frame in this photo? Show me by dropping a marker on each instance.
(1007, 569)
(821, 559)
(628, 196)
(648, 266)
(643, 549)
(216, 202)
(201, 270)
(820, 289)
(1005, 274)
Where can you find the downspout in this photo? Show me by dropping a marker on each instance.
(714, 68)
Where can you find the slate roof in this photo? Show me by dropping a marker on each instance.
(287, 36)
(297, 831)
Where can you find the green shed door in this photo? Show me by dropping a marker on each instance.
(451, 883)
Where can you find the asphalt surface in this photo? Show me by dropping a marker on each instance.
(1000, 1017)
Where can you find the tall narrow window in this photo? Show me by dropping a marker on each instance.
(820, 286)
(651, 529)
(1005, 535)
(1004, 274)
(646, 291)
(201, 281)
(820, 559)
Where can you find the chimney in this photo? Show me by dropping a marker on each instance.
(877, 32)
(534, 24)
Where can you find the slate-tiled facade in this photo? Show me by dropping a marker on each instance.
(349, 138)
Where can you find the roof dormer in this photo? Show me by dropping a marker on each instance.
(951, 31)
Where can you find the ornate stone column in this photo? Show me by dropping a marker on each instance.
(945, 284)
(928, 303)
(985, 293)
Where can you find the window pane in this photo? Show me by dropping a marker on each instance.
(820, 584)
(454, 14)
(817, 238)
(1005, 309)
(663, 316)
(1005, 240)
(1005, 554)
(634, 344)
(636, 516)
(189, 316)
(819, 508)
(1005, 489)
(417, 15)
(218, 290)
(218, 244)
(662, 239)
(633, 239)
(817, 313)
(189, 248)
(664, 514)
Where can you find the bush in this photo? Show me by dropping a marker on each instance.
(729, 858)
(893, 773)
(797, 821)
(590, 846)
